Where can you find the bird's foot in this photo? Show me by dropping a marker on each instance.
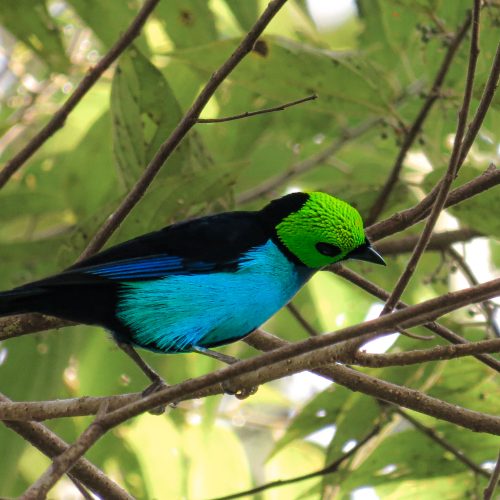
(228, 387)
(157, 385)
(238, 392)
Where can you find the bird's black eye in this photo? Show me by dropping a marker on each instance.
(328, 249)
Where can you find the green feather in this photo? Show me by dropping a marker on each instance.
(322, 219)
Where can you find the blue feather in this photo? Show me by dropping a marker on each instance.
(182, 310)
(156, 266)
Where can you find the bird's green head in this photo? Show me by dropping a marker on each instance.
(317, 229)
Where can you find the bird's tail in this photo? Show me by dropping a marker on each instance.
(18, 301)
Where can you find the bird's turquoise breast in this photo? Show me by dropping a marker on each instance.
(177, 312)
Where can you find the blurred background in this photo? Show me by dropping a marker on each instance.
(372, 64)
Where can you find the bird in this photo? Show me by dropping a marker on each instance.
(201, 283)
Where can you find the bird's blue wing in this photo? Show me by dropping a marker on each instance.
(154, 267)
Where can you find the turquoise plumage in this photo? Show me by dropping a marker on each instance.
(181, 311)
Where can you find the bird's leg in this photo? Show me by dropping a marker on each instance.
(224, 358)
(157, 382)
(228, 360)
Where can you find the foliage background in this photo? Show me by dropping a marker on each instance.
(373, 72)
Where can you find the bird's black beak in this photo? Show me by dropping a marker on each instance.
(368, 254)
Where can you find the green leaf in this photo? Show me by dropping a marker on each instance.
(145, 112)
(285, 70)
(188, 23)
(107, 19)
(246, 13)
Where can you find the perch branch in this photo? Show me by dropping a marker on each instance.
(303, 358)
(432, 326)
(436, 353)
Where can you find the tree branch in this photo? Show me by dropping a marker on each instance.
(249, 114)
(57, 121)
(411, 216)
(432, 326)
(301, 320)
(436, 353)
(487, 307)
(289, 359)
(412, 133)
(445, 183)
(438, 241)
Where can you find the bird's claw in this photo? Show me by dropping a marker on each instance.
(239, 392)
(156, 386)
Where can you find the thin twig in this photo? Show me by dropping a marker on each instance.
(477, 121)
(493, 482)
(432, 434)
(79, 486)
(180, 131)
(484, 104)
(301, 320)
(445, 183)
(248, 114)
(329, 469)
(412, 133)
(57, 121)
(438, 241)
(436, 353)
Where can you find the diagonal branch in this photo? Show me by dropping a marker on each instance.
(487, 307)
(407, 218)
(301, 167)
(445, 183)
(412, 133)
(432, 434)
(493, 482)
(438, 241)
(57, 121)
